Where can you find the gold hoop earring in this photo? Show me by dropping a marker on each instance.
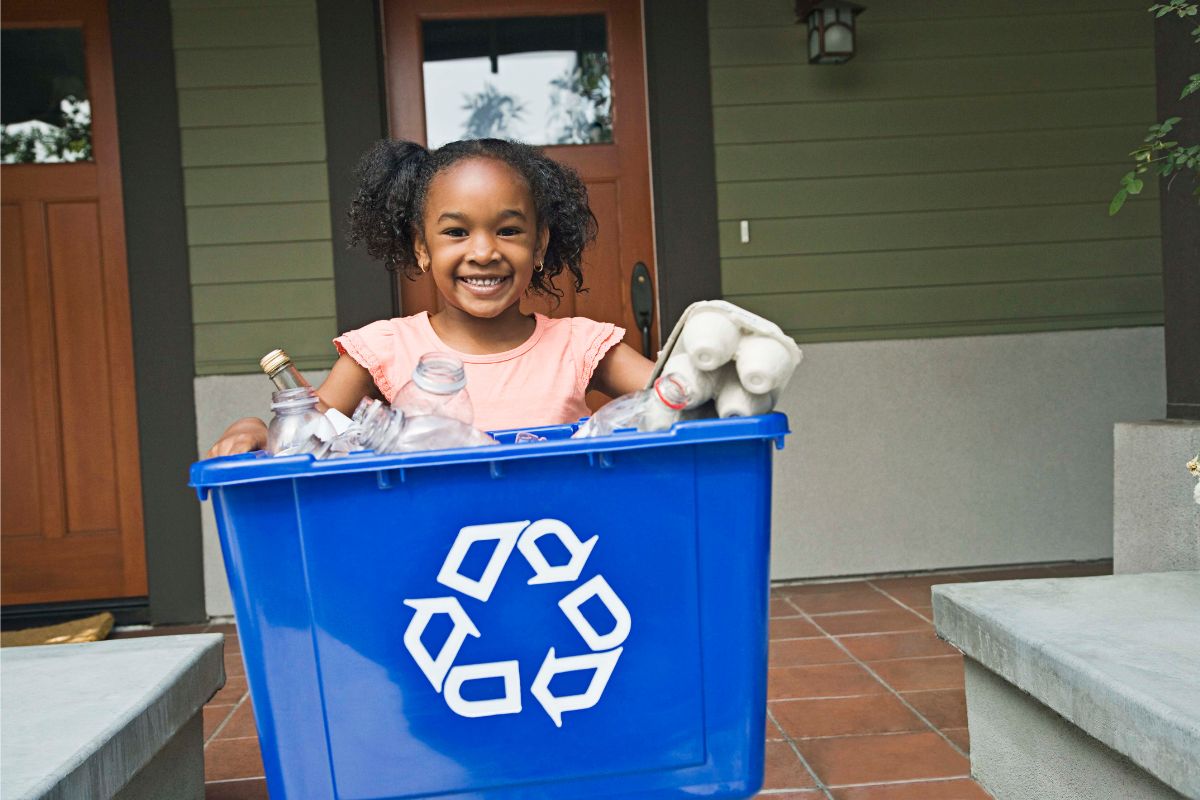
(423, 267)
(540, 267)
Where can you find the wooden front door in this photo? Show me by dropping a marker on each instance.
(71, 508)
(616, 169)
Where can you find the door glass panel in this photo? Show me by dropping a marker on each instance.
(46, 117)
(539, 80)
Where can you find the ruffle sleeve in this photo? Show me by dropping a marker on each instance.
(373, 347)
(591, 341)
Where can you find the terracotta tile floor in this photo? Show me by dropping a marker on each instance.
(865, 703)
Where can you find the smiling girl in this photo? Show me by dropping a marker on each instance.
(491, 220)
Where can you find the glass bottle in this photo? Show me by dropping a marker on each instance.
(278, 366)
(438, 387)
(283, 373)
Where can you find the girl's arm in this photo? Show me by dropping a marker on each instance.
(621, 371)
(346, 385)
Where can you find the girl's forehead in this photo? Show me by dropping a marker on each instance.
(479, 177)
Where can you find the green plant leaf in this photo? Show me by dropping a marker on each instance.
(1135, 187)
(1117, 201)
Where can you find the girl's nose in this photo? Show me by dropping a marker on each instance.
(483, 249)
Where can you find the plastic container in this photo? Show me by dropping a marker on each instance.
(551, 620)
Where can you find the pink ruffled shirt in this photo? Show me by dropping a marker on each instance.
(541, 382)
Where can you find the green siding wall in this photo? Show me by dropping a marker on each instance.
(252, 127)
(953, 179)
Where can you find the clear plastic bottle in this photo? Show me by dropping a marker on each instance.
(386, 429)
(432, 432)
(278, 366)
(438, 387)
(298, 427)
(653, 409)
(703, 384)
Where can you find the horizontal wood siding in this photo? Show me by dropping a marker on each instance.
(953, 179)
(248, 76)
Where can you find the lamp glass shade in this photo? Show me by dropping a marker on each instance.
(839, 39)
(830, 31)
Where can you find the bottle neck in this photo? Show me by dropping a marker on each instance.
(294, 400)
(440, 373)
(283, 373)
(672, 391)
(288, 377)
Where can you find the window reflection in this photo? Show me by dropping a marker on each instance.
(540, 80)
(46, 117)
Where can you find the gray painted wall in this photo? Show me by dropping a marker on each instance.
(921, 454)
(1156, 524)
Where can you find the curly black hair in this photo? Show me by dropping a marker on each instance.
(394, 178)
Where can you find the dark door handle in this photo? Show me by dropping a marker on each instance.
(642, 294)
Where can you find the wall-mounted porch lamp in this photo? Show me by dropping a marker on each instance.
(830, 29)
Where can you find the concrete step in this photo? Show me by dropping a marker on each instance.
(1114, 657)
(108, 719)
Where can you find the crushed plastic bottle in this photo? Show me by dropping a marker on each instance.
(654, 409)
(387, 429)
(438, 387)
(298, 427)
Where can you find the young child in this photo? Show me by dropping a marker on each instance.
(490, 220)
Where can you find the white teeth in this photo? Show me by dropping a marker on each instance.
(482, 281)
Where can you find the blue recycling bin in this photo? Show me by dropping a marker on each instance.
(559, 619)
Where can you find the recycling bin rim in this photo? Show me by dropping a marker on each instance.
(258, 466)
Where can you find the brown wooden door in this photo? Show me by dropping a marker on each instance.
(617, 173)
(71, 508)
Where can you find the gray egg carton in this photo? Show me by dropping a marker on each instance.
(737, 363)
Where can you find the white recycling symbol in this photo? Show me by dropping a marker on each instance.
(448, 678)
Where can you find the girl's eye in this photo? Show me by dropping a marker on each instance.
(454, 232)
(510, 231)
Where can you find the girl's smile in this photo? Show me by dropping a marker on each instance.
(480, 239)
(485, 287)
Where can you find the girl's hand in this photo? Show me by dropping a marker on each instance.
(621, 371)
(242, 436)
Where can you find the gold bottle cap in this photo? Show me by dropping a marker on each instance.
(274, 361)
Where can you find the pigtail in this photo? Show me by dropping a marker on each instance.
(383, 215)
(563, 205)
